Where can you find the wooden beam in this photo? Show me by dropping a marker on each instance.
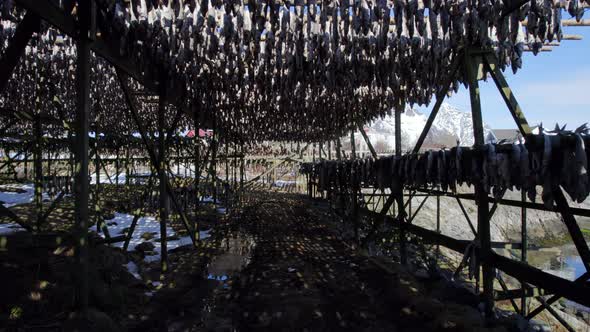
(67, 24)
(417, 210)
(511, 102)
(572, 226)
(163, 178)
(573, 23)
(572, 37)
(368, 141)
(554, 313)
(518, 293)
(82, 127)
(581, 280)
(52, 207)
(4, 211)
(440, 96)
(576, 291)
(16, 47)
(542, 49)
(152, 154)
(508, 202)
(115, 239)
(472, 61)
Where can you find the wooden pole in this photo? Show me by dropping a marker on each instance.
(437, 224)
(440, 96)
(523, 252)
(472, 64)
(127, 161)
(117, 167)
(399, 191)
(196, 115)
(97, 219)
(81, 146)
(226, 184)
(16, 46)
(38, 161)
(26, 169)
(163, 179)
(352, 146)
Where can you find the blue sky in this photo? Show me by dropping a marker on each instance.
(551, 87)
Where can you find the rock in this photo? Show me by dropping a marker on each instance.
(145, 247)
(538, 326)
(148, 235)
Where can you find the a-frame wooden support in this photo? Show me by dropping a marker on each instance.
(153, 157)
(16, 46)
(476, 63)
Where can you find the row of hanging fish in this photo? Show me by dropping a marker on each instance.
(556, 160)
(285, 69)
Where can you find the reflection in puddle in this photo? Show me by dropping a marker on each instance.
(218, 278)
(235, 255)
(563, 261)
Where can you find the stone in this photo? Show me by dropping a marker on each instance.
(145, 247)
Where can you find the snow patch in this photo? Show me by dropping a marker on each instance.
(12, 198)
(10, 228)
(133, 269)
(151, 228)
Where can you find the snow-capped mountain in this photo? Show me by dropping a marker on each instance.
(451, 124)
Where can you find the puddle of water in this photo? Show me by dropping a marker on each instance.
(564, 262)
(235, 255)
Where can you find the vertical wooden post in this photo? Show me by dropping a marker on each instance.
(197, 198)
(472, 64)
(97, 219)
(177, 159)
(242, 167)
(214, 161)
(352, 145)
(38, 165)
(398, 109)
(226, 184)
(355, 217)
(127, 161)
(48, 163)
(26, 169)
(437, 224)
(117, 167)
(524, 246)
(162, 177)
(81, 152)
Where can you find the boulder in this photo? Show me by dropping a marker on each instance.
(145, 247)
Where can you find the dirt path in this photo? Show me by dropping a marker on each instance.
(301, 276)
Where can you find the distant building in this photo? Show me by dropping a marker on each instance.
(202, 133)
(507, 135)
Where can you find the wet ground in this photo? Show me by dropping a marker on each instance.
(298, 274)
(278, 263)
